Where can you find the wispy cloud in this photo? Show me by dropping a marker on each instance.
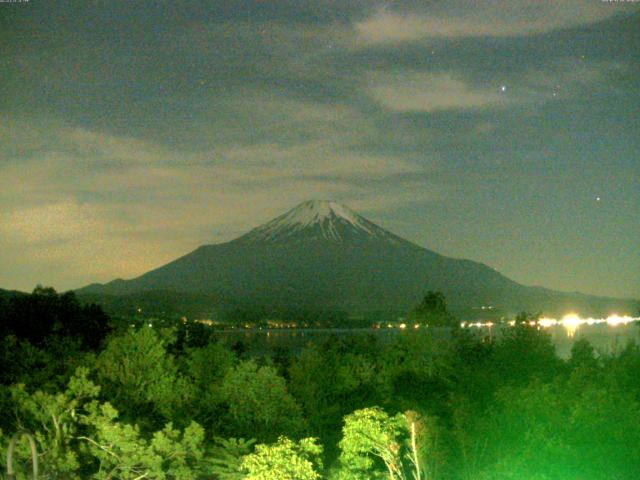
(491, 19)
(423, 91)
(430, 92)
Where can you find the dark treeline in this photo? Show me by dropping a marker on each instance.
(226, 313)
(108, 400)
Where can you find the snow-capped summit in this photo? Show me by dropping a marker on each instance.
(316, 211)
(319, 219)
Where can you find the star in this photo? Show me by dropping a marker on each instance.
(597, 199)
(503, 88)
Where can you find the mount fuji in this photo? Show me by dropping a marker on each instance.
(323, 255)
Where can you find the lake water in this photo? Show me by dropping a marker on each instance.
(604, 337)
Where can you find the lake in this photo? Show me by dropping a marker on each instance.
(604, 337)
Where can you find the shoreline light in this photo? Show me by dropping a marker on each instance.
(570, 322)
(547, 322)
(615, 320)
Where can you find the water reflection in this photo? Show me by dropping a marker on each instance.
(570, 322)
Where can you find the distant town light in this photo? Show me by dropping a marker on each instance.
(547, 322)
(615, 320)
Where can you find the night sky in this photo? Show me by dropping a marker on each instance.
(506, 133)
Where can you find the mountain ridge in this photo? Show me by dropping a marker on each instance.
(321, 254)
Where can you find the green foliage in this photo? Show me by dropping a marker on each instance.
(524, 353)
(141, 378)
(123, 453)
(208, 365)
(372, 439)
(78, 437)
(257, 403)
(226, 457)
(335, 379)
(524, 318)
(538, 431)
(583, 355)
(416, 371)
(475, 408)
(204, 370)
(45, 336)
(284, 460)
(622, 370)
(54, 420)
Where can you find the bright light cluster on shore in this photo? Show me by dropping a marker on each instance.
(571, 322)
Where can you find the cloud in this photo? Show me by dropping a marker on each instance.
(82, 205)
(48, 223)
(460, 18)
(423, 91)
(430, 92)
(572, 75)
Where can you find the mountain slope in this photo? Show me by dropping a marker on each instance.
(323, 255)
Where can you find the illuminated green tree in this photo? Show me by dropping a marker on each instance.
(141, 378)
(205, 369)
(376, 445)
(256, 402)
(226, 457)
(54, 421)
(78, 437)
(284, 460)
(123, 453)
(561, 431)
(332, 381)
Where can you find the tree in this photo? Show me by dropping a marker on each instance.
(257, 403)
(372, 438)
(226, 457)
(432, 310)
(54, 421)
(583, 355)
(556, 431)
(141, 378)
(124, 453)
(205, 368)
(330, 382)
(524, 352)
(524, 318)
(284, 460)
(45, 313)
(79, 437)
